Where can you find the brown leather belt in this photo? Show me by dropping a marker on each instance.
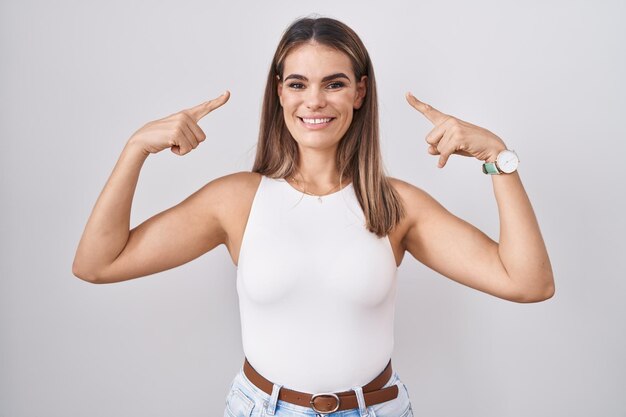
(373, 392)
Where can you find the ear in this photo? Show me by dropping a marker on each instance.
(279, 90)
(361, 91)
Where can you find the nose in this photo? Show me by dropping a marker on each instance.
(315, 98)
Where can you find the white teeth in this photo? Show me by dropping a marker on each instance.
(316, 121)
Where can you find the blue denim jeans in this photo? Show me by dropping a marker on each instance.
(244, 399)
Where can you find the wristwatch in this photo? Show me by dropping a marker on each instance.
(506, 162)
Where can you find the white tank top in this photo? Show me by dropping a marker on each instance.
(316, 290)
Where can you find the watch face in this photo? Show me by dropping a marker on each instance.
(507, 161)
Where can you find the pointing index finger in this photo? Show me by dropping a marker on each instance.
(431, 113)
(202, 109)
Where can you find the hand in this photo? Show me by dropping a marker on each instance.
(454, 136)
(179, 131)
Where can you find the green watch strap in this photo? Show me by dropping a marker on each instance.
(490, 168)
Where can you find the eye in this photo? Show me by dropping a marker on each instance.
(296, 86)
(336, 84)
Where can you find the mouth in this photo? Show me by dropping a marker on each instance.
(315, 123)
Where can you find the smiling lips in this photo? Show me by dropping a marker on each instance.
(315, 122)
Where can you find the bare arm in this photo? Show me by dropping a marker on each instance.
(521, 248)
(107, 229)
(518, 267)
(108, 251)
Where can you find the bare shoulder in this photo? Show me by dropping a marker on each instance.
(236, 185)
(413, 196)
(408, 194)
(223, 200)
(232, 195)
(420, 208)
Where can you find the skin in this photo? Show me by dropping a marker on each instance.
(336, 97)
(516, 268)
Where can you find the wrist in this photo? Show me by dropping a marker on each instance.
(506, 162)
(136, 149)
(493, 154)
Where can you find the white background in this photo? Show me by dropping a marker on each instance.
(78, 78)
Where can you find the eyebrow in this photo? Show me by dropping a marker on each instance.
(327, 78)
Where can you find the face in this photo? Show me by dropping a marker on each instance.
(319, 94)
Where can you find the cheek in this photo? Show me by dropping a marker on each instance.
(289, 104)
(348, 101)
(348, 106)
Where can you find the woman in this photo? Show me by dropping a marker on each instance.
(325, 230)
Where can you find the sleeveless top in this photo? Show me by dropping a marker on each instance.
(316, 290)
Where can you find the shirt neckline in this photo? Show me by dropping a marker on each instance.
(300, 192)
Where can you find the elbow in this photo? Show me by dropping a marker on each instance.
(543, 296)
(537, 296)
(550, 292)
(85, 275)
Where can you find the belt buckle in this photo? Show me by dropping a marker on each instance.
(330, 394)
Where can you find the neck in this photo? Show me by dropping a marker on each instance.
(318, 173)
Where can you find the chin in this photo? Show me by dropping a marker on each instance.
(316, 139)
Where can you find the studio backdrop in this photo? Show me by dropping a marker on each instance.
(77, 79)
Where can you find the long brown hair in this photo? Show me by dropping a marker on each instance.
(358, 153)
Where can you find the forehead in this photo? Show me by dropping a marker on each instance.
(314, 60)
